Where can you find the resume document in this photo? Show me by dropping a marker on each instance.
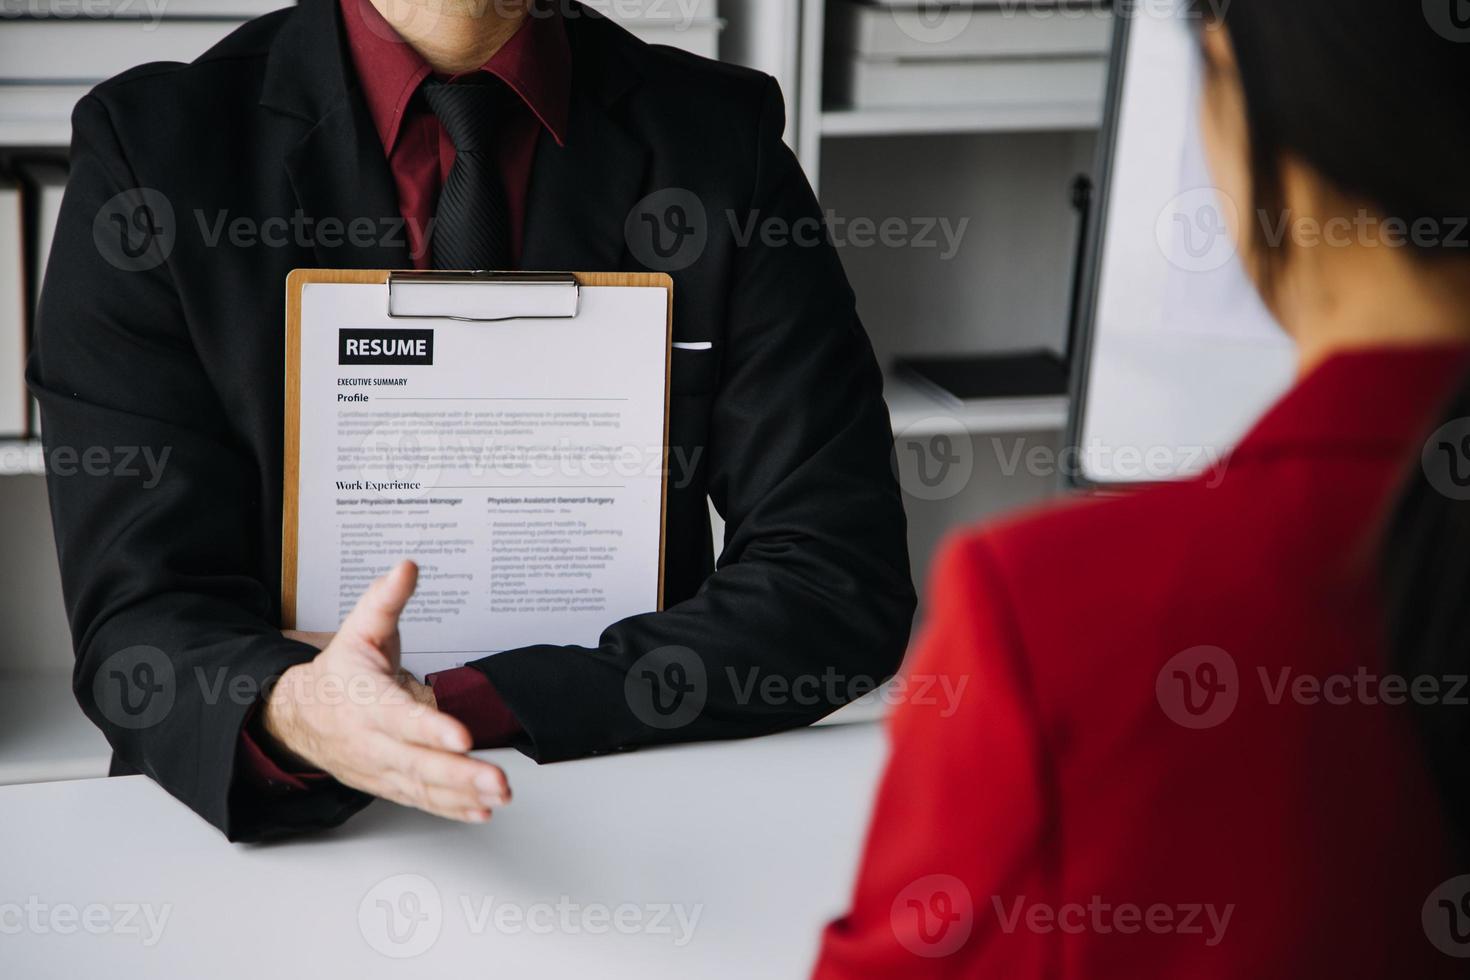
(519, 462)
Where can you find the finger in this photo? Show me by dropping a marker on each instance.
(403, 790)
(375, 617)
(484, 780)
(449, 802)
(450, 792)
(483, 783)
(371, 773)
(418, 724)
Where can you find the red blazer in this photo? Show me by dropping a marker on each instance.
(1123, 787)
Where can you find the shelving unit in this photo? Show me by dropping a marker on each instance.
(20, 457)
(43, 733)
(1005, 169)
(37, 115)
(1020, 118)
(918, 414)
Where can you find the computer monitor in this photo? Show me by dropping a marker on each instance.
(1176, 356)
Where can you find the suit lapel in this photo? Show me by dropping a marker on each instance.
(340, 176)
(337, 169)
(581, 193)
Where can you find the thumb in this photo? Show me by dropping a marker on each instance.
(375, 617)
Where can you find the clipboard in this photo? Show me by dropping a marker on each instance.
(484, 299)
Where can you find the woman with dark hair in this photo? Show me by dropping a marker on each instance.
(1219, 729)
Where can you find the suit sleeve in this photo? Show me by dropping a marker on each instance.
(958, 839)
(175, 634)
(811, 602)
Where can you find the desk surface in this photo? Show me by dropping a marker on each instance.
(709, 861)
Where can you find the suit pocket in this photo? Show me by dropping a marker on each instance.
(694, 371)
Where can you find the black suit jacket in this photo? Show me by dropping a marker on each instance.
(173, 588)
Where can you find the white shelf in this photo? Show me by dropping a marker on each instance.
(38, 114)
(21, 456)
(915, 412)
(43, 734)
(997, 118)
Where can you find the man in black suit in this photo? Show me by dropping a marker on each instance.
(196, 188)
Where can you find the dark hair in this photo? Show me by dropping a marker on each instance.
(1372, 95)
(1426, 566)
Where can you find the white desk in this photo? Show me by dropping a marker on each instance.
(586, 874)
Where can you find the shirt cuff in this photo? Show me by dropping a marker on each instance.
(265, 772)
(467, 695)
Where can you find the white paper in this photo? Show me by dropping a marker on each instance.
(522, 470)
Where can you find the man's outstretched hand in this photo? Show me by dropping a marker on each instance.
(353, 713)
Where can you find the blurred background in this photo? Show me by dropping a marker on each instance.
(944, 142)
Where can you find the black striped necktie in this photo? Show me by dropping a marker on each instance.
(472, 220)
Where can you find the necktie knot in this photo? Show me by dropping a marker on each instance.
(467, 109)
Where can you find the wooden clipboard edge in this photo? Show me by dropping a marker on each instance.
(291, 471)
(291, 474)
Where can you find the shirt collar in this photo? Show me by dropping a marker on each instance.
(1371, 398)
(536, 63)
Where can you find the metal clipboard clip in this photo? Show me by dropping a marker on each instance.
(482, 296)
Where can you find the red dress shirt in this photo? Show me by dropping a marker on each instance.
(1125, 787)
(536, 64)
